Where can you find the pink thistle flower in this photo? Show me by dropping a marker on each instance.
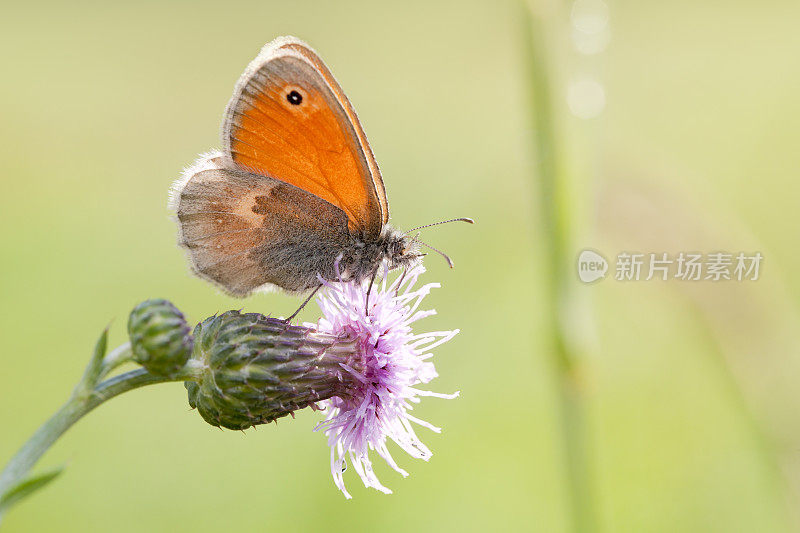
(378, 399)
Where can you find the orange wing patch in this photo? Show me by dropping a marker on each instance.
(285, 121)
(310, 55)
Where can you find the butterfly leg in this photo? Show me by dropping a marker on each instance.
(399, 283)
(369, 289)
(304, 303)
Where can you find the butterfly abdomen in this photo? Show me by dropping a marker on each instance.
(357, 260)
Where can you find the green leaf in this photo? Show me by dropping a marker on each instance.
(95, 367)
(26, 487)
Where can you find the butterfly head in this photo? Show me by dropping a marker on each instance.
(400, 250)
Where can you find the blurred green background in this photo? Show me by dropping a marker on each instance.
(686, 394)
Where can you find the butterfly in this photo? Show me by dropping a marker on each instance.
(295, 193)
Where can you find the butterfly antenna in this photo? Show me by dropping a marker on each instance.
(446, 257)
(467, 220)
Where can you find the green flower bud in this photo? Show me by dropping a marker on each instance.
(161, 339)
(257, 369)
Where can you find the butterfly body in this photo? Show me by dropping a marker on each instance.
(295, 194)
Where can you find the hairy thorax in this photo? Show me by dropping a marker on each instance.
(362, 258)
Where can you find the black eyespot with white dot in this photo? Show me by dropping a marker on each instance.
(294, 98)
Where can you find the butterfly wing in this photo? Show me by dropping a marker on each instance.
(289, 120)
(245, 231)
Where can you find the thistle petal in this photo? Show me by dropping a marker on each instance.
(375, 405)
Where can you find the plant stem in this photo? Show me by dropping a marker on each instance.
(118, 356)
(76, 408)
(556, 220)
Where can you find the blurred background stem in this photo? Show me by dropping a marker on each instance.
(557, 219)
